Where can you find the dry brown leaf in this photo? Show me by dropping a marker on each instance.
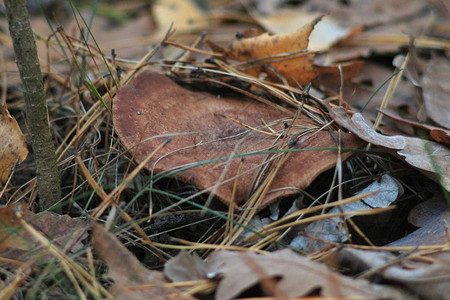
(11, 234)
(427, 279)
(381, 20)
(438, 134)
(288, 55)
(152, 108)
(16, 243)
(331, 74)
(436, 91)
(325, 33)
(441, 136)
(185, 267)
(13, 145)
(132, 280)
(297, 67)
(410, 149)
(299, 276)
(62, 230)
(433, 232)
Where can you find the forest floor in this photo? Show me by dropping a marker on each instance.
(222, 149)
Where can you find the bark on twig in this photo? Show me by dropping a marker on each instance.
(48, 176)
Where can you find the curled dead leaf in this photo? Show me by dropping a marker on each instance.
(438, 134)
(286, 53)
(218, 143)
(426, 278)
(424, 155)
(129, 275)
(18, 244)
(326, 33)
(298, 275)
(185, 267)
(332, 74)
(316, 235)
(13, 145)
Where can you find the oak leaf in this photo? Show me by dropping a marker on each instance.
(298, 276)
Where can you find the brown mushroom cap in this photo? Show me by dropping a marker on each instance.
(204, 127)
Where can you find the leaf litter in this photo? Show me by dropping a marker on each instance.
(239, 122)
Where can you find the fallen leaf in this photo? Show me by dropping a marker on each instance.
(410, 149)
(433, 232)
(297, 65)
(368, 13)
(438, 134)
(325, 33)
(255, 224)
(332, 74)
(436, 91)
(316, 235)
(289, 54)
(153, 108)
(62, 230)
(11, 233)
(16, 243)
(298, 275)
(426, 211)
(131, 279)
(441, 136)
(185, 267)
(369, 85)
(426, 280)
(185, 16)
(382, 25)
(13, 145)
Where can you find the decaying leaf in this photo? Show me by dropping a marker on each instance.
(316, 235)
(131, 279)
(427, 280)
(185, 267)
(425, 212)
(13, 145)
(325, 33)
(438, 134)
(412, 150)
(384, 27)
(332, 74)
(436, 91)
(12, 235)
(433, 232)
(297, 63)
(298, 275)
(16, 243)
(206, 127)
(286, 55)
